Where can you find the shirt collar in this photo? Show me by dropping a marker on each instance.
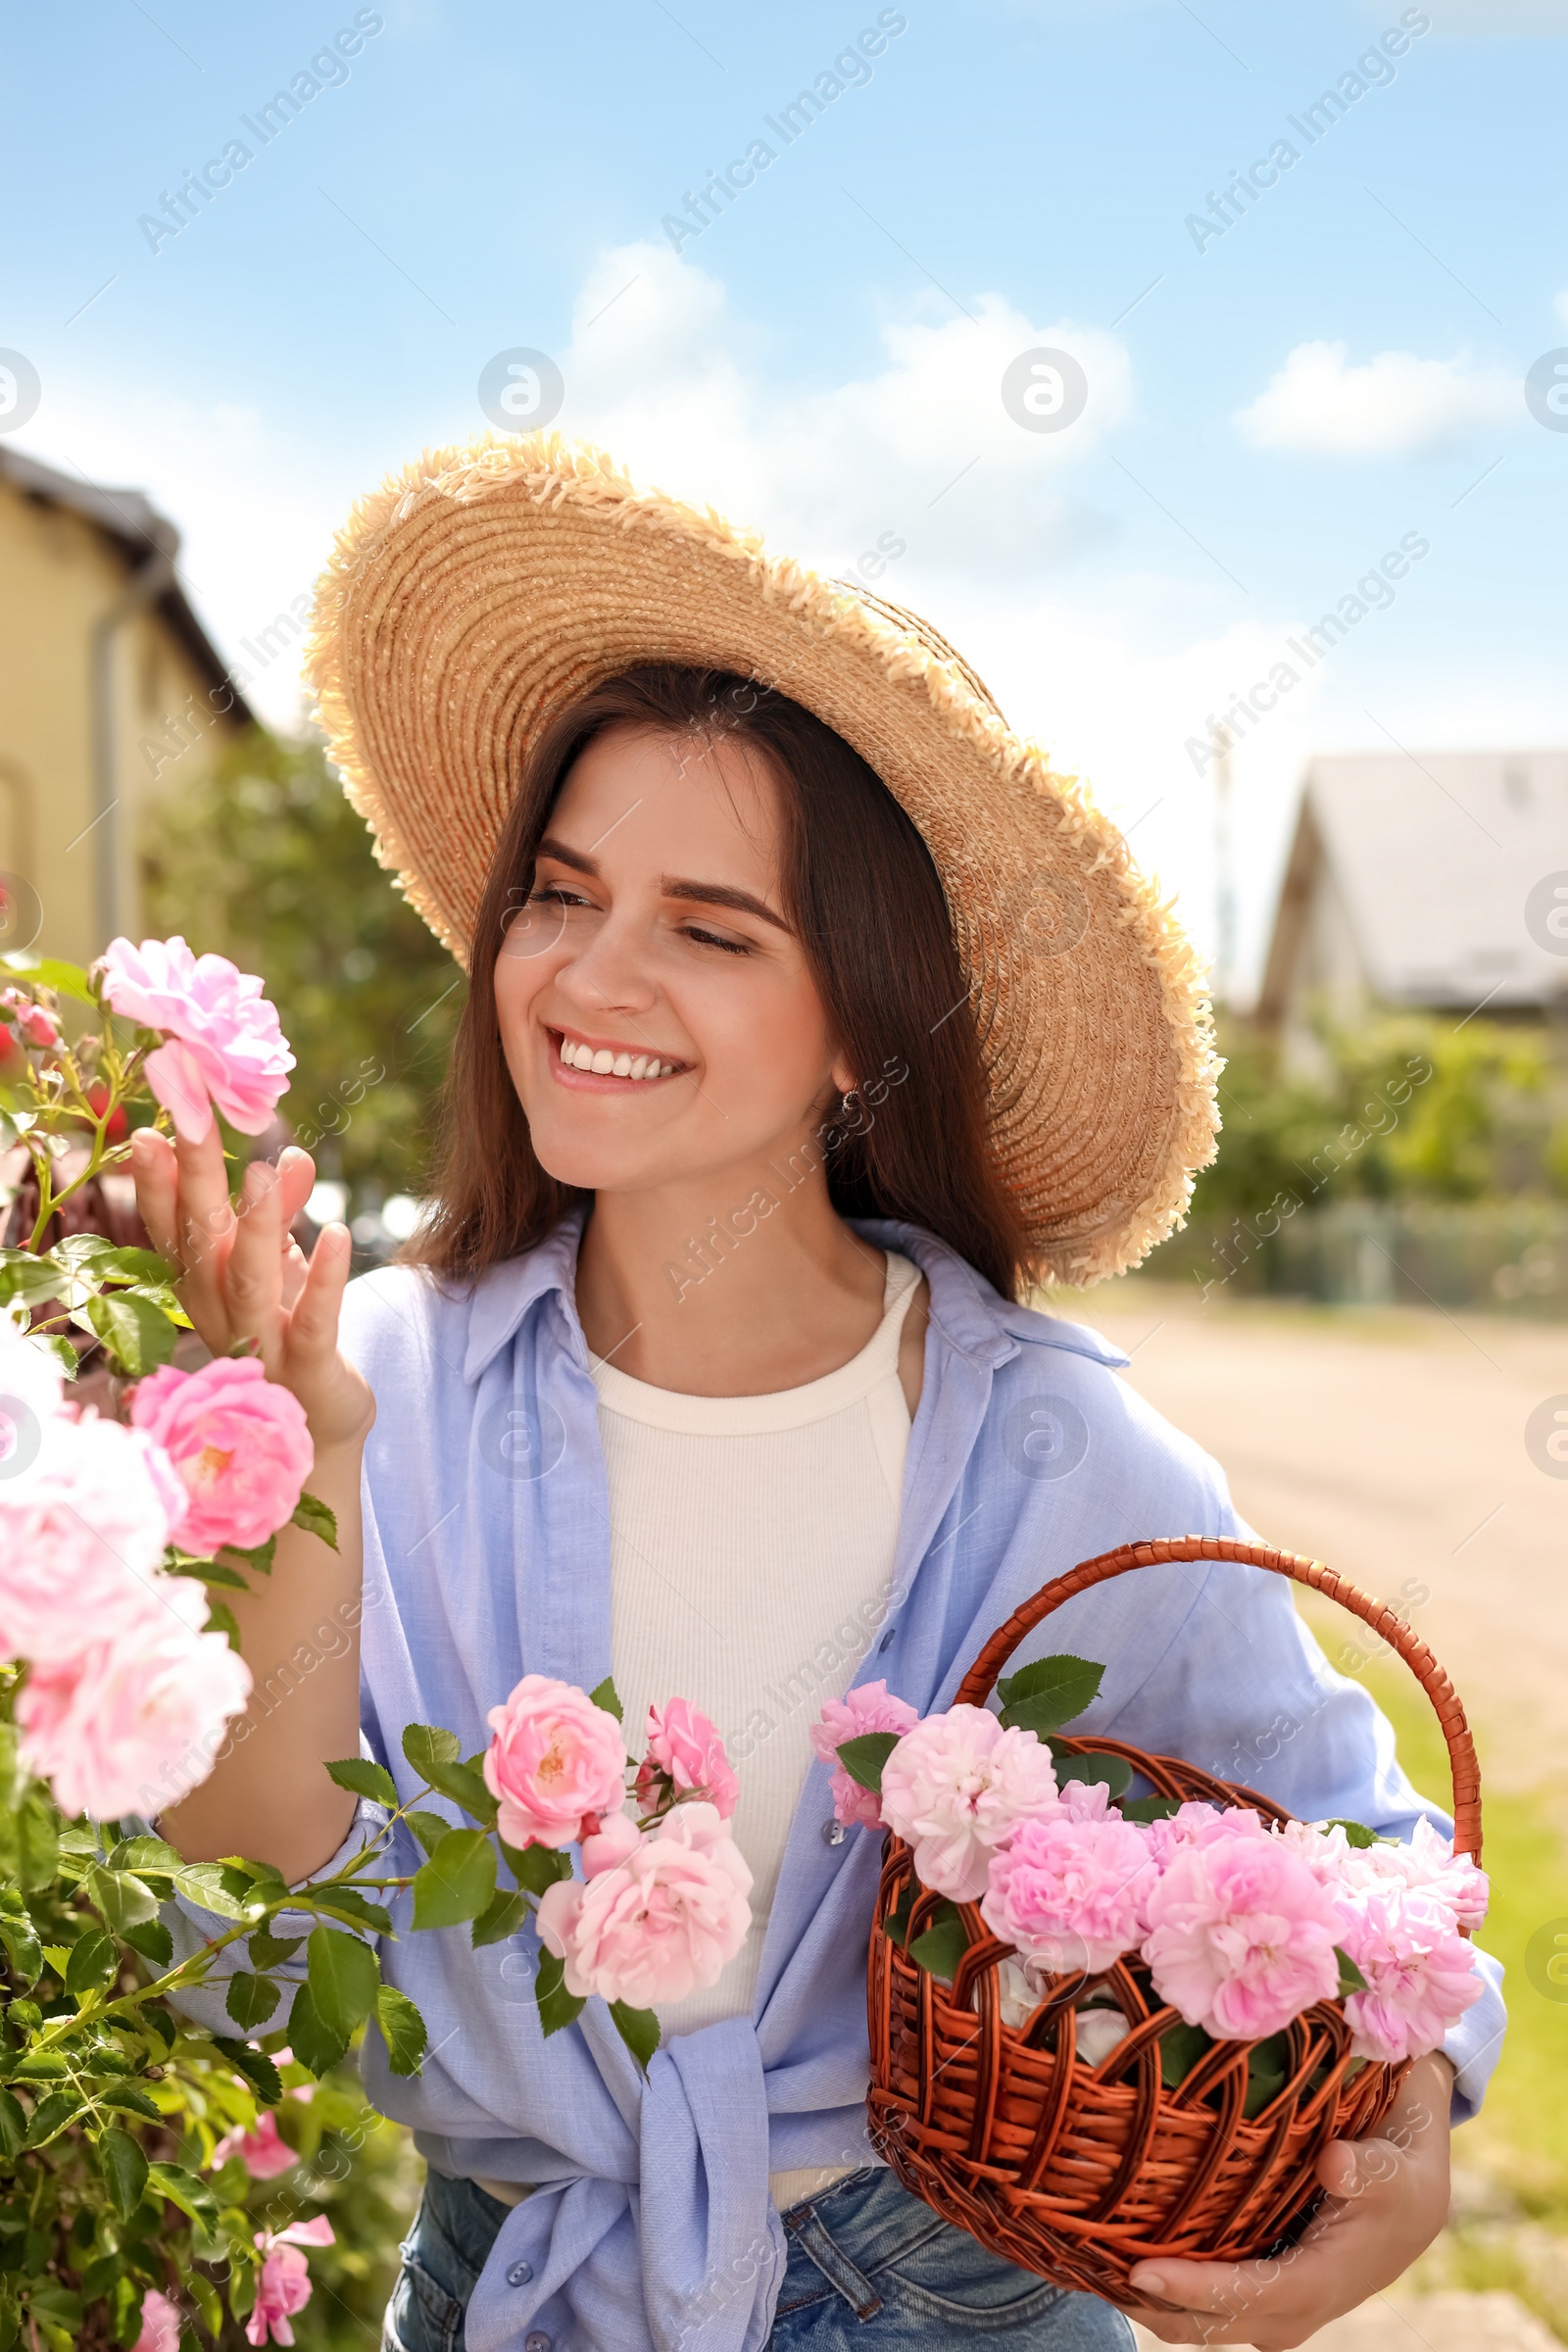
(972, 1317)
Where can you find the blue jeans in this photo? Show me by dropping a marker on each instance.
(869, 2268)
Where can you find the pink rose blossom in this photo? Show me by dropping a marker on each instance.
(239, 1444)
(1070, 1894)
(133, 1723)
(83, 1522)
(283, 2286)
(1421, 1976)
(870, 1707)
(265, 2151)
(615, 1844)
(1193, 1824)
(1428, 1867)
(660, 1925)
(159, 2324)
(1240, 1936)
(32, 1021)
(223, 1043)
(686, 1747)
(954, 1788)
(555, 1757)
(1086, 1800)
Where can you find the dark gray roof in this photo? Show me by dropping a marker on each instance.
(134, 523)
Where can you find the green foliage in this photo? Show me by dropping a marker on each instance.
(1048, 1692)
(268, 863)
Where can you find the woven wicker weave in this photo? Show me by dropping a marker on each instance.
(1080, 2172)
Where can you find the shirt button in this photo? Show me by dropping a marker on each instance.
(536, 2340)
(520, 2274)
(886, 1641)
(834, 1833)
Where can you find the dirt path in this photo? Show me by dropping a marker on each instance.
(1392, 1444)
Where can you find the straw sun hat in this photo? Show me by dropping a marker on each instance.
(485, 586)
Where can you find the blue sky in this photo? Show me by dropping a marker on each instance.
(1274, 401)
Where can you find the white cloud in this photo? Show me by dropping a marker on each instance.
(1393, 405)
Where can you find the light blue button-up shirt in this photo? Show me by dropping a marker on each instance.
(487, 1557)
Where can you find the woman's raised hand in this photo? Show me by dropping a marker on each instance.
(241, 1276)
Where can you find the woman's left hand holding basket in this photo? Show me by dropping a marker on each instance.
(1388, 2197)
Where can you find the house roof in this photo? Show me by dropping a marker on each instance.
(134, 524)
(1435, 855)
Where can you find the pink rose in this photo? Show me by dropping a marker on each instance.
(660, 1925)
(870, 1707)
(223, 1043)
(687, 1749)
(83, 1521)
(555, 1757)
(239, 1444)
(1070, 1893)
(133, 1723)
(159, 2324)
(283, 2286)
(1421, 1976)
(618, 1838)
(955, 1788)
(34, 1021)
(1427, 1866)
(1241, 1934)
(265, 2150)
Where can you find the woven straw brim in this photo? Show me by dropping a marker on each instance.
(486, 586)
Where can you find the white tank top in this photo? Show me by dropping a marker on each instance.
(752, 1542)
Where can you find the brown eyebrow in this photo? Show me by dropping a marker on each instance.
(703, 894)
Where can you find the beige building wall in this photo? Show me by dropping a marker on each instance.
(60, 572)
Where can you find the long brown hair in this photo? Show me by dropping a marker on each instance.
(865, 898)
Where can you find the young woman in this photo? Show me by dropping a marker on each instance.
(811, 1021)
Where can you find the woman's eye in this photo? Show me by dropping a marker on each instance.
(555, 894)
(713, 939)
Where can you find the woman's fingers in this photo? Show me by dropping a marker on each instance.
(157, 1180)
(253, 1275)
(296, 1175)
(336, 1397)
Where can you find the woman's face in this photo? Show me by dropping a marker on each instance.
(656, 941)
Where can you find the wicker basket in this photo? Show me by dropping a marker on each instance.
(1080, 2172)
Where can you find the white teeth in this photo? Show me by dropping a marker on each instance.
(581, 1058)
(567, 1053)
(621, 1066)
(607, 1063)
(637, 1067)
(667, 1069)
(604, 1061)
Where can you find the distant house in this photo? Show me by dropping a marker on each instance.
(1421, 881)
(110, 692)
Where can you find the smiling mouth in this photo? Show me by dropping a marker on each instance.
(633, 1064)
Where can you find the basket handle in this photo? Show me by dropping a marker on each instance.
(978, 1683)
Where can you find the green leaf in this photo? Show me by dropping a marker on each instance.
(124, 1900)
(139, 1335)
(557, 2008)
(183, 2188)
(94, 1963)
(49, 2115)
(1350, 1976)
(458, 1882)
(145, 1853)
(506, 1915)
(37, 1842)
(605, 1694)
(50, 971)
(13, 2123)
(1267, 2071)
(23, 1948)
(259, 1557)
(268, 1950)
(152, 1940)
(424, 1744)
(344, 1974)
(536, 1867)
(1047, 1692)
(27, 1279)
(465, 1785)
(130, 2101)
(208, 2302)
(1151, 1808)
(896, 1925)
(863, 1757)
(1180, 2048)
(314, 2043)
(638, 2030)
(312, 1514)
(1114, 1770)
(250, 2000)
(208, 1572)
(41, 2066)
(341, 1903)
(402, 2029)
(136, 1265)
(942, 1946)
(364, 1779)
(56, 1343)
(428, 1828)
(221, 1619)
(1356, 1833)
(207, 1884)
(256, 2068)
